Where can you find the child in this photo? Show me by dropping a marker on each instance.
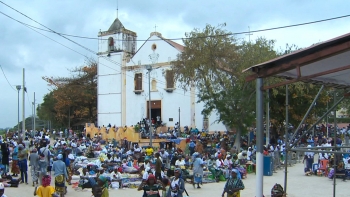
(50, 165)
(45, 190)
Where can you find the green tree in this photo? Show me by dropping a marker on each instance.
(46, 110)
(212, 61)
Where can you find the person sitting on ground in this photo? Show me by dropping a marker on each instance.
(180, 163)
(8, 181)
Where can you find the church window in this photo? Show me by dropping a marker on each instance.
(154, 85)
(138, 81)
(110, 44)
(169, 79)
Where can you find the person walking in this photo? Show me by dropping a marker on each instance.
(158, 170)
(197, 170)
(5, 157)
(60, 173)
(34, 165)
(177, 185)
(102, 182)
(233, 185)
(22, 163)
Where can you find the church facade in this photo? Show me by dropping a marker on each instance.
(128, 78)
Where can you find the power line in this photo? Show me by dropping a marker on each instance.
(6, 78)
(146, 40)
(118, 64)
(91, 51)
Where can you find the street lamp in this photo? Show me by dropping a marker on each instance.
(149, 68)
(18, 87)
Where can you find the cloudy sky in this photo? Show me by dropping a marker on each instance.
(21, 47)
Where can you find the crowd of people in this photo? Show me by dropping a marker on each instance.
(163, 171)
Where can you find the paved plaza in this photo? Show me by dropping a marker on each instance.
(298, 185)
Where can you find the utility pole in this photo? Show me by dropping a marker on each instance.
(34, 113)
(179, 120)
(286, 142)
(267, 117)
(23, 103)
(18, 87)
(149, 68)
(335, 162)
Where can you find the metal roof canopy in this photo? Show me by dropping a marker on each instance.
(326, 64)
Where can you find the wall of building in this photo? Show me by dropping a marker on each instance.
(170, 102)
(109, 89)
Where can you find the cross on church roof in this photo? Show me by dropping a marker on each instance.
(155, 28)
(249, 34)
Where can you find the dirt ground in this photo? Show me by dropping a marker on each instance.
(298, 185)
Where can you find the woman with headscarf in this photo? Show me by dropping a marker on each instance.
(60, 173)
(102, 182)
(177, 185)
(22, 162)
(197, 170)
(233, 185)
(34, 165)
(15, 168)
(5, 157)
(151, 187)
(45, 189)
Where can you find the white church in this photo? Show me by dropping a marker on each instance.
(123, 82)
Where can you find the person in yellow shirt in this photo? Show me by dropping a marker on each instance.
(45, 189)
(149, 151)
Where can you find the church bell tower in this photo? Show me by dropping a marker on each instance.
(116, 46)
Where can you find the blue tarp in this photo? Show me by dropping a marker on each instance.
(176, 141)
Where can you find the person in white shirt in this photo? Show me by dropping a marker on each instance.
(147, 164)
(82, 147)
(309, 157)
(74, 147)
(228, 161)
(219, 162)
(242, 156)
(58, 143)
(130, 152)
(323, 156)
(228, 165)
(137, 148)
(164, 155)
(147, 172)
(180, 163)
